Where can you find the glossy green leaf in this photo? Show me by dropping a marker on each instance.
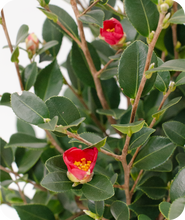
(131, 68)
(145, 17)
(29, 159)
(165, 167)
(57, 182)
(15, 55)
(29, 107)
(22, 34)
(93, 17)
(176, 209)
(100, 144)
(56, 163)
(96, 207)
(65, 110)
(156, 152)
(5, 99)
(178, 17)
(65, 19)
(140, 137)
(27, 141)
(120, 210)
(23, 127)
(98, 189)
(6, 155)
(128, 29)
(49, 15)
(49, 124)
(178, 185)
(116, 113)
(109, 72)
(130, 128)
(143, 217)
(175, 131)
(163, 79)
(49, 33)
(49, 81)
(154, 188)
(34, 212)
(171, 65)
(180, 80)
(164, 108)
(47, 46)
(5, 179)
(181, 159)
(164, 208)
(29, 75)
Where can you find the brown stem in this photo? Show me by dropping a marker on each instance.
(134, 156)
(163, 56)
(117, 157)
(174, 32)
(54, 143)
(119, 186)
(147, 64)
(78, 138)
(21, 193)
(135, 183)
(11, 48)
(84, 12)
(79, 2)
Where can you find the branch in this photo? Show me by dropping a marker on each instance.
(78, 2)
(135, 183)
(11, 48)
(174, 32)
(119, 186)
(84, 12)
(117, 157)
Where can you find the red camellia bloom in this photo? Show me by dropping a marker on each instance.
(80, 163)
(112, 31)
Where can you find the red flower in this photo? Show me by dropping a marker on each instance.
(80, 163)
(112, 31)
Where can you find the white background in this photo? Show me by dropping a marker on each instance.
(18, 12)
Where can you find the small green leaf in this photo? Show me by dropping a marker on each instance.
(15, 55)
(120, 210)
(109, 72)
(100, 144)
(176, 209)
(57, 182)
(29, 107)
(22, 34)
(178, 17)
(116, 113)
(49, 15)
(165, 167)
(98, 189)
(164, 108)
(47, 46)
(180, 159)
(50, 124)
(6, 155)
(180, 80)
(93, 17)
(56, 163)
(130, 128)
(143, 217)
(5, 99)
(164, 208)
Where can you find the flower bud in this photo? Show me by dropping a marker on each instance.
(164, 8)
(150, 37)
(42, 3)
(172, 86)
(169, 2)
(132, 101)
(165, 20)
(178, 45)
(149, 75)
(32, 44)
(46, 120)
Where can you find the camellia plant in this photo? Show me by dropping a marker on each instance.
(98, 161)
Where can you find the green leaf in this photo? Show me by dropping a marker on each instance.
(65, 110)
(163, 79)
(56, 163)
(178, 185)
(180, 80)
(29, 107)
(23, 127)
(164, 208)
(28, 160)
(100, 144)
(175, 131)
(93, 17)
(49, 81)
(6, 155)
(176, 208)
(131, 68)
(22, 34)
(140, 137)
(26, 141)
(116, 113)
(96, 207)
(129, 29)
(34, 212)
(5, 99)
(49, 15)
(83, 217)
(180, 159)
(171, 65)
(57, 182)
(47, 46)
(154, 188)
(65, 19)
(143, 217)
(130, 128)
(29, 75)
(15, 55)
(178, 17)
(164, 108)
(145, 17)
(49, 124)
(120, 210)
(165, 167)
(98, 189)
(49, 33)
(155, 152)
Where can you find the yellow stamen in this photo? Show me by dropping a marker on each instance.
(83, 165)
(111, 30)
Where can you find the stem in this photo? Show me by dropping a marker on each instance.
(78, 2)
(117, 157)
(174, 32)
(135, 183)
(93, 4)
(119, 186)
(21, 193)
(11, 48)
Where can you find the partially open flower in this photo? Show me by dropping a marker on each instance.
(80, 163)
(32, 44)
(112, 32)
